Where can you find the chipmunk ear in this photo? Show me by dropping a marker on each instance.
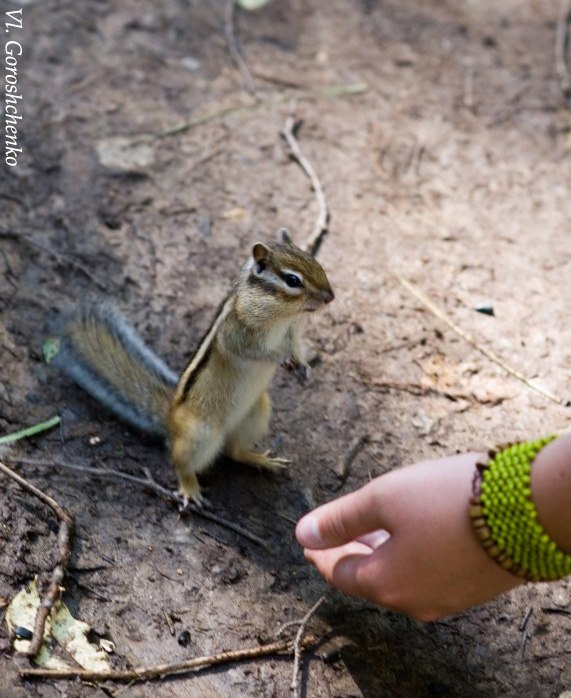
(284, 236)
(260, 252)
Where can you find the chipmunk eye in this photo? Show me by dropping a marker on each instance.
(293, 281)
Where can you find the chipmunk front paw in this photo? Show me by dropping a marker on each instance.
(302, 371)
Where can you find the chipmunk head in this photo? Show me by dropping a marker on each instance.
(284, 271)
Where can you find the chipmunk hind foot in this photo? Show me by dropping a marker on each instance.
(252, 428)
(191, 493)
(262, 461)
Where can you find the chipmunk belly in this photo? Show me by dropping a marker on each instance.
(253, 378)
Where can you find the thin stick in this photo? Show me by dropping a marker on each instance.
(201, 119)
(62, 258)
(290, 82)
(355, 88)
(522, 647)
(488, 353)
(65, 534)
(525, 619)
(330, 92)
(229, 32)
(422, 390)
(349, 456)
(562, 48)
(162, 670)
(550, 609)
(298, 643)
(30, 431)
(321, 227)
(149, 483)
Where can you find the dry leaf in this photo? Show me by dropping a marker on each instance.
(234, 213)
(61, 629)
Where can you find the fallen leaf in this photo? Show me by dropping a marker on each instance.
(50, 348)
(234, 213)
(61, 629)
(125, 156)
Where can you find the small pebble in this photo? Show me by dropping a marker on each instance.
(184, 638)
(485, 309)
(190, 63)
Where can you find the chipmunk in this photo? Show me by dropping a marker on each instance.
(220, 402)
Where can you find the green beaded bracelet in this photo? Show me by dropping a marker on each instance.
(504, 516)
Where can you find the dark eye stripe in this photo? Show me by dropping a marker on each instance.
(292, 280)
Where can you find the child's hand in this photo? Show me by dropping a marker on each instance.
(405, 541)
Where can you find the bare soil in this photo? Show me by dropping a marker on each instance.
(450, 168)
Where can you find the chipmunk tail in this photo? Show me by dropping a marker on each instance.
(103, 354)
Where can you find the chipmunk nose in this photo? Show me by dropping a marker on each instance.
(328, 296)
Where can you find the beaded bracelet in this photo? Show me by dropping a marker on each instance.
(504, 516)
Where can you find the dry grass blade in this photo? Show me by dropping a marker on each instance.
(488, 353)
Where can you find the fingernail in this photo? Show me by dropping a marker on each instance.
(307, 532)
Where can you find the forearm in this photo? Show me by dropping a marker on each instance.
(551, 490)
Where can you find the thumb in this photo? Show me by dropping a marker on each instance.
(342, 520)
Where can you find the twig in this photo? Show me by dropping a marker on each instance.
(435, 310)
(65, 534)
(88, 589)
(562, 43)
(557, 655)
(272, 507)
(166, 576)
(522, 647)
(352, 452)
(551, 609)
(525, 619)
(149, 483)
(199, 511)
(30, 431)
(421, 390)
(328, 92)
(161, 670)
(201, 119)
(321, 227)
(355, 88)
(299, 643)
(291, 82)
(229, 32)
(170, 624)
(62, 258)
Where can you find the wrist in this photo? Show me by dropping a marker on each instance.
(504, 510)
(551, 490)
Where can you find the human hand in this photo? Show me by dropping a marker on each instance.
(405, 541)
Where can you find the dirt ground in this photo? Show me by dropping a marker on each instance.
(449, 165)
